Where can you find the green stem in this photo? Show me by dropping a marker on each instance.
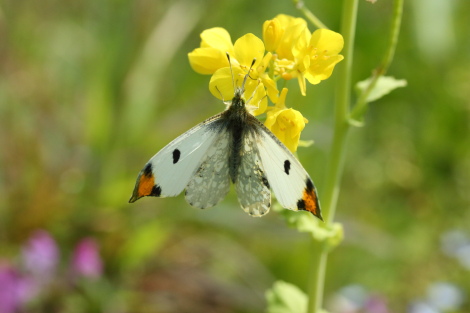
(317, 277)
(361, 103)
(337, 153)
(299, 4)
(342, 105)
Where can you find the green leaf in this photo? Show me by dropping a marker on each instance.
(286, 298)
(331, 235)
(383, 86)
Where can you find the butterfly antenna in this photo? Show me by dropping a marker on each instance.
(221, 95)
(231, 71)
(253, 95)
(248, 74)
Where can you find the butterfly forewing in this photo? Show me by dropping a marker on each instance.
(288, 179)
(170, 170)
(252, 185)
(211, 181)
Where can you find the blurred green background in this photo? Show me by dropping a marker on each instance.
(90, 90)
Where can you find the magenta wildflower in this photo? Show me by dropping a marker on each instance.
(15, 289)
(86, 259)
(40, 256)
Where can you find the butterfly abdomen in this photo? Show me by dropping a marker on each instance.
(236, 120)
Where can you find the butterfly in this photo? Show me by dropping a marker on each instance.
(230, 147)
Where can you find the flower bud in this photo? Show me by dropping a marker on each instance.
(272, 34)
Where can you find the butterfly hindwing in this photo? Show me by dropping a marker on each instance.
(168, 172)
(288, 179)
(211, 181)
(252, 185)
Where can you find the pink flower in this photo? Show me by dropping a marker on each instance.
(15, 289)
(86, 261)
(40, 256)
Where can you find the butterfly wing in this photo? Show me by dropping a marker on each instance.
(168, 172)
(211, 181)
(288, 179)
(252, 185)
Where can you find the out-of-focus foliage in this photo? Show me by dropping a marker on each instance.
(90, 90)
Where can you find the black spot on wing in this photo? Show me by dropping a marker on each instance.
(260, 174)
(301, 204)
(156, 191)
(287, 166)
(147, 171)
(309, 185)
(265, 182)
(176, 156)
(309, 201)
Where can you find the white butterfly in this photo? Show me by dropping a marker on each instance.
(230, 146)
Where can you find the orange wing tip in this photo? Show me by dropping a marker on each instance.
(309, 201)
(145, 185)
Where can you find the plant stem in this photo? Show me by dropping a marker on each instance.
(361, 103)
(299, 4)
(317, 277)
(337, 153)
(342, 105)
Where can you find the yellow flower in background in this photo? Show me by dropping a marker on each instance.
(286, 124)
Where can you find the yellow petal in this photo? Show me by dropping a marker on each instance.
(322, 69)
(217, 38)
(247, 48)
(281, 103)
(265, 62)
(302, 84)
(221, 83)
(271, 117)
(289, 21)
(207, 60)
(258, 102)
(295, 32)
(327, 42)
(271, 87)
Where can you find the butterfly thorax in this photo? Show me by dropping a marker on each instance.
(238, 121)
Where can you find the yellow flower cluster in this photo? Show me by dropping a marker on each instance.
(288, 50)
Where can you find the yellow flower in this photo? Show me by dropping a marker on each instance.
(258, 84)
(302, 55)
(221, 86)
(318, 59)
(286, 124)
